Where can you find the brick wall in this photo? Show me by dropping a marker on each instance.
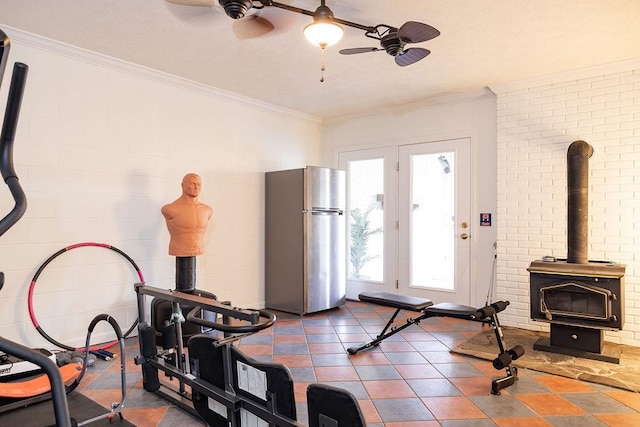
(536, 122)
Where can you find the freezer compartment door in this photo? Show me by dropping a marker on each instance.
(325, 263)
(324, 189)
(284, 242)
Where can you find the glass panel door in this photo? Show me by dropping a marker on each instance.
(431, 220)
(434, 212)
(371, 207)
(366, 193)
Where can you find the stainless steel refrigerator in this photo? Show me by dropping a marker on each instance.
(305, 226)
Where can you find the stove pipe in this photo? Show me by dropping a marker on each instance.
(578, 155)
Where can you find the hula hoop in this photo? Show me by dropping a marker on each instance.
(51, 258)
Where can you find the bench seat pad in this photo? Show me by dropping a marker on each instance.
(447, 309)
(396, 301)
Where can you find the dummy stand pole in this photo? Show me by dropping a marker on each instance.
(185, 282)
(185, 273)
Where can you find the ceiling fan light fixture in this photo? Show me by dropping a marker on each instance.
(323, 34)
(323, 31)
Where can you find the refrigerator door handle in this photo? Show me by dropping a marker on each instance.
(324, 211)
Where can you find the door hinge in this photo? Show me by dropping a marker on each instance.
(397, 284)
(397, 225)
(398, 166)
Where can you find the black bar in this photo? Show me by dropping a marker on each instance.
(205, 303)
(310, 13)
(12, 112)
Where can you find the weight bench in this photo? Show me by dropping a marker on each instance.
(426, 309)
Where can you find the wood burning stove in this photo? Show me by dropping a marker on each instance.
(579, 298)
(580, 301)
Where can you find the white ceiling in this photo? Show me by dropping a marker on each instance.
(483, 42)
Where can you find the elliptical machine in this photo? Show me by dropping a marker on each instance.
(57, 388)
(9, 126)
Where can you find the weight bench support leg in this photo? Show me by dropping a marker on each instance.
(512, 371)
(387, 331)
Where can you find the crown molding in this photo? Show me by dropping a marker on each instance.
(578, 74)
(437, 100)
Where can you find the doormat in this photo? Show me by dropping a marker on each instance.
(625, 375)
(81, 408)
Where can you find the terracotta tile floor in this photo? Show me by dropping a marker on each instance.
(410, 380)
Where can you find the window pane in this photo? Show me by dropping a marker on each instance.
(366, 200)
(432, 221)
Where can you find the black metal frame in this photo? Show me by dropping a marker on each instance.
(9, 126)
(487, 315)
(367, 29)
(177, 367)
(376, 32)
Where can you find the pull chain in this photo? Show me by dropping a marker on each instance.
(322, 68)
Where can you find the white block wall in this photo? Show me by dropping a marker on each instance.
(101, 146)
(536, 122)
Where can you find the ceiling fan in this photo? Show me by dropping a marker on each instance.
(253, 25)
(394, 41)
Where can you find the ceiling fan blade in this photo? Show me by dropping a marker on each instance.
(251, 26)
(355, 50)
(416, 32)
(411, 56)
(202, 3)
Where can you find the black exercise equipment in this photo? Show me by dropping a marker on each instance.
(9, 126)
(56, 379)
(162, 313)
(216, 381)
(226, 387)
(116, 408)
(426, 308)
(73, 367)
(331, 407)
(262, 390)
(162, 310)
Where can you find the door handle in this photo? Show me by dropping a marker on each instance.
(464, 236)
(321, 211)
